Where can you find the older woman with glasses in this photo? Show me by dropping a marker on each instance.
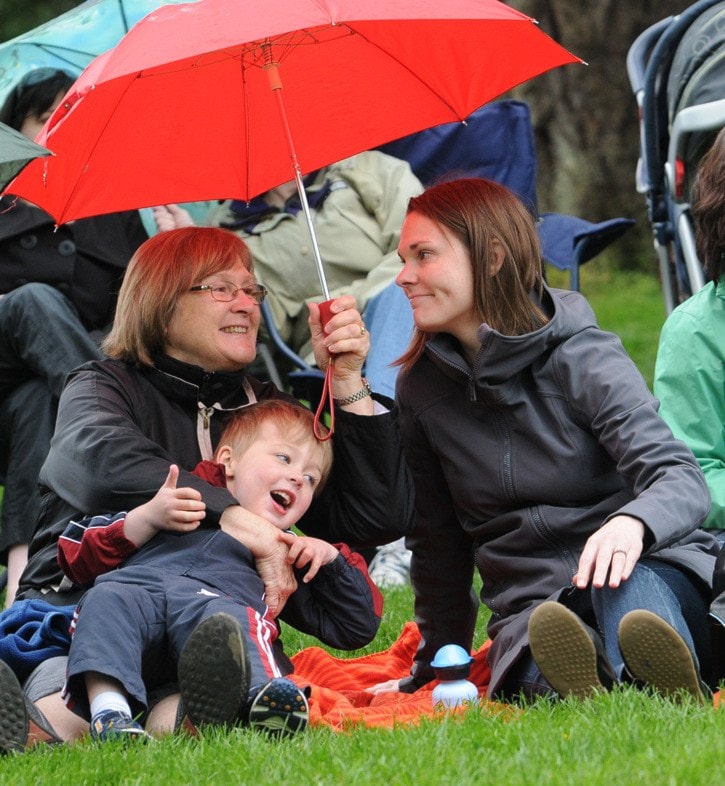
(185, 329)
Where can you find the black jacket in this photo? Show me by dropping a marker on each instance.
(520, 459)
(85, 259)
(119, 428)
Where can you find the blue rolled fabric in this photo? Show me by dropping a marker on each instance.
(32, 631)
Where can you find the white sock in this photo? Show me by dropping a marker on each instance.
(110, 700)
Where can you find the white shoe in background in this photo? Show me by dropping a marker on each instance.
(390, 567)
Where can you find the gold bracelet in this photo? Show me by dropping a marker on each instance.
(361, 394)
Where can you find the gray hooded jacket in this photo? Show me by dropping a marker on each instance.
(519, 460)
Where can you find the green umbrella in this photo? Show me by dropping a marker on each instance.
(16, 151)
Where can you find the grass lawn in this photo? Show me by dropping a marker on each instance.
(621, 738)
(616, 739)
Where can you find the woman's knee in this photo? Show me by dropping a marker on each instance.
(36, 296)
(47, 678)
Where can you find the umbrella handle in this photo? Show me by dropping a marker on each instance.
(325, 312)
(326, 397)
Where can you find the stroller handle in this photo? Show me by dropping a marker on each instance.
(657, 69)
(640, 51)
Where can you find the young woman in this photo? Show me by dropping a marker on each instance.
(538, 457)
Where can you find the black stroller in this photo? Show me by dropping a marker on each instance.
(677, 71)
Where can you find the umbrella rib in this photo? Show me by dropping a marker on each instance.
(57, 50)
(247, 126)
(122, 11)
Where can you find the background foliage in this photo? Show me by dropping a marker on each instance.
(21, 15)
(586, 118)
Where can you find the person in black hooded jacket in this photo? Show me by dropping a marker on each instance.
(539, 458)
(58, 290)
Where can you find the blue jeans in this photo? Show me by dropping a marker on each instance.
(389, 318)
(668, 592)
(655, 586)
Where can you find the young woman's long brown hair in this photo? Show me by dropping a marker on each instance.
(708, 208)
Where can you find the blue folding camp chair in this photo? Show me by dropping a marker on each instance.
(495, 142)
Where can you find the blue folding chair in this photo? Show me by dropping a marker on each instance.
(497, 142)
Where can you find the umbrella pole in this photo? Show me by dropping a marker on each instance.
(326, 397)
(275, 84)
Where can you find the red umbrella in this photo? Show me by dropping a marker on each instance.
(181, 109)
(189, 105)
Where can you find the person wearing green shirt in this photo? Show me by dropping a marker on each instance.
(690, 368)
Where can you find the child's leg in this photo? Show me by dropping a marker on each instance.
(214, 677)
(188, 607)
(120, 628)
(227, 669)
(106, 694)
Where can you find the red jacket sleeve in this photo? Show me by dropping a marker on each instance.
(97, 544)
(93, 546)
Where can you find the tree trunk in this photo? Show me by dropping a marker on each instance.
(585, 116)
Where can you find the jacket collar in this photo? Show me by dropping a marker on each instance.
(502, 357)
(190, 384)
(720, 288)
(248, 215)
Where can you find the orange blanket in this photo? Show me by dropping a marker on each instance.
(338, 685)
(339, 699)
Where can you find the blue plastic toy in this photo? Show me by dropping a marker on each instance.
(452, 664)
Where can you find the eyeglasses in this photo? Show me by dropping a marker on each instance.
(227, 292)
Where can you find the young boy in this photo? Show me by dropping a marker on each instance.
(195, 597)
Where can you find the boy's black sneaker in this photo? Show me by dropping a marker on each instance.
(214, 672)
(110, 725)
(280, 708)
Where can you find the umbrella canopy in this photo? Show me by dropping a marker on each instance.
(16, 151)
(225, 98)
(71, 40)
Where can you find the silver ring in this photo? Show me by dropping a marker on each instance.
(619, 551)
(363, 331)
